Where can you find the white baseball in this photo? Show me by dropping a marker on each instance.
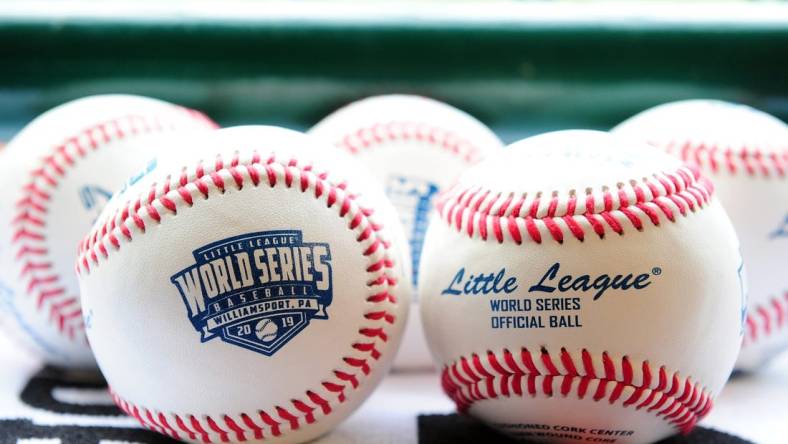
(249, 223)
(266, 330)
(577, 287)
(416, 146)
(745, 153)
(56, 175)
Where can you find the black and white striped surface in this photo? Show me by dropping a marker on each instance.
(46, 406)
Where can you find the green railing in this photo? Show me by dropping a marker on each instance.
(518, 75)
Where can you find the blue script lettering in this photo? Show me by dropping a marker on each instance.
(584, 282)
(481, 283)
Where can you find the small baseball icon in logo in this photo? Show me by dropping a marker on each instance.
(266, 330)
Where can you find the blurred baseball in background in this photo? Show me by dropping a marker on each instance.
(416, 146)
(744, 152)
(56, 176)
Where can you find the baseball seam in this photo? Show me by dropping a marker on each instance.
(395, 131)
(766, 319)
(29, 236)
(534, 217)
(134, 218)
(623, 381)
(752, 161)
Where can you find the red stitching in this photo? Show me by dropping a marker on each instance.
(395, 131)
(765, 161)
(678, 400)
(154, 207)
(766, 319)
(479, 212)
(28, 227)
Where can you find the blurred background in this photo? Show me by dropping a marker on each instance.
(520, 67)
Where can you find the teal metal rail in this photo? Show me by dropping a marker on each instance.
(519, 76)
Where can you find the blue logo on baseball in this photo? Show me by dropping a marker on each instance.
(781, 231)
(743, 291)
(412, 197)
(258, 290)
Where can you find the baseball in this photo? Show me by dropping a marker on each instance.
(576, 286)
(745, 153)
(416, 146)
(248, 224)
(266, 330)
(56, 175)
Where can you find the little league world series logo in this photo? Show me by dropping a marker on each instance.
(258, 290)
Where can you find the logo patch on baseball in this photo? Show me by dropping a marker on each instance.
(257, 290)
(412, 197)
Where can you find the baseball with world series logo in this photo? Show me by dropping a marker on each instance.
(578, 287)
(416, 146)
(56, 175)
(744, 151)
(271, 280)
